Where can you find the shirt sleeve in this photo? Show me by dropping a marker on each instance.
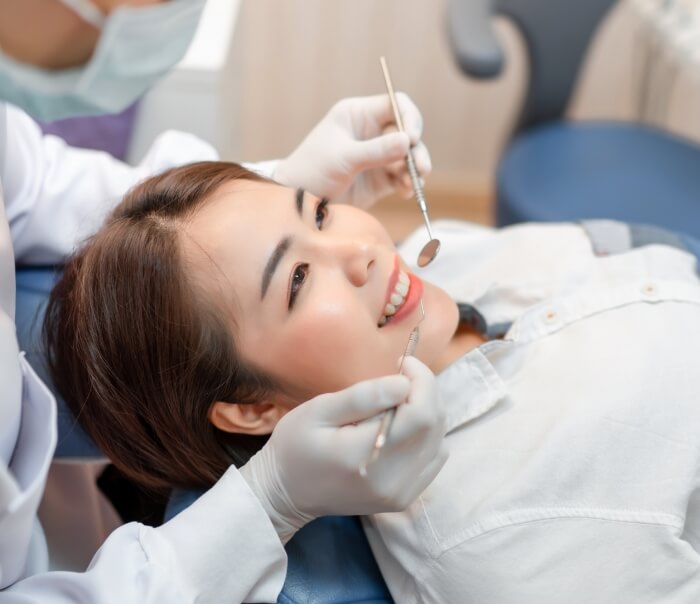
(222, 548)
(576, 560)
(57, 195)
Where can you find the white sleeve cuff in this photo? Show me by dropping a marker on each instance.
(223, 548)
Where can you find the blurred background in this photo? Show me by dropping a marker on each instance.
(261, 73)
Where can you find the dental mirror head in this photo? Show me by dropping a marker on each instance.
(428, 253)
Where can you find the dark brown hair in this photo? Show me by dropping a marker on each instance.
(136, 348)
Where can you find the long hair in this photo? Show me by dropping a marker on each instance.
(136, 348)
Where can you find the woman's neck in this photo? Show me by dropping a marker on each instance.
(464, 340)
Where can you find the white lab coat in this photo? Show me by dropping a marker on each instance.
(221, 549)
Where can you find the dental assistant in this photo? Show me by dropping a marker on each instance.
(67, 57)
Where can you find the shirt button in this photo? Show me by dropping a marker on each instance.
(649, 289)
(550, 316)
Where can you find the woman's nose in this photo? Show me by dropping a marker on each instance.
(355, 257)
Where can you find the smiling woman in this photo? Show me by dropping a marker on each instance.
(214, 301)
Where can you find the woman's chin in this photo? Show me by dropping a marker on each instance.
(439, 326)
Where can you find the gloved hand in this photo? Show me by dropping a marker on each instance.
(310, 465)
(354, 155)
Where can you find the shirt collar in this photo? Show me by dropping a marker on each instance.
(471, 386)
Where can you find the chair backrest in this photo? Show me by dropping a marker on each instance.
(556, 34)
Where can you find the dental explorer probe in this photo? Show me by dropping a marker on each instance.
(388, 418)
(430, 249)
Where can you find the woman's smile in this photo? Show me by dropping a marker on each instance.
(333, 286)
(402, 298)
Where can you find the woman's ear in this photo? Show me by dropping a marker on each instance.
(251, 418)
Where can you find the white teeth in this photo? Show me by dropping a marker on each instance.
(398, 297)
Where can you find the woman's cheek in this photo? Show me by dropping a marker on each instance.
(338, 351)
(439, 326)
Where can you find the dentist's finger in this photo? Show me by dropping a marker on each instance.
(421, 156)
(361, 401)
(399, 175)
(410, 116)
(377, 152)
(423, 381)
(423, 416)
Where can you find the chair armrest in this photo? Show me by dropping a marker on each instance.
(472, 38)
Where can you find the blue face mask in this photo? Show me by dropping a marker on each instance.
(136, 47)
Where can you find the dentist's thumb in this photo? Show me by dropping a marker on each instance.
(361, 401)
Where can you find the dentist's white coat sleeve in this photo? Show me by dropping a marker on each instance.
(57, 195)
(222, 549)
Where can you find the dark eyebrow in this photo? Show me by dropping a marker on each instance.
(300, 201)
(281, 248)
(272, 263)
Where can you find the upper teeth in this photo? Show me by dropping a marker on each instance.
(397, 298)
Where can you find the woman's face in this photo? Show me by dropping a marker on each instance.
(307, 287)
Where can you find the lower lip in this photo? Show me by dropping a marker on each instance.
(415, 293)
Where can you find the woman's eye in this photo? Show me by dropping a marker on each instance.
(298, 277)
(321, 213)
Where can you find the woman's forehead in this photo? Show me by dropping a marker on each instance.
(232, 235)
(241, 207)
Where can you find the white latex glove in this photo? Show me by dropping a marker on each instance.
(310, 465)
(354, 155)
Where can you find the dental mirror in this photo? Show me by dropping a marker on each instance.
(430, 249)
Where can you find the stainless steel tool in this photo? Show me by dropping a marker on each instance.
(389, 415)
(430, 249)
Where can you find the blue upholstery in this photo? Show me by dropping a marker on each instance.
(330, 561)
(572, 171)
(33, 287)
(556, 170)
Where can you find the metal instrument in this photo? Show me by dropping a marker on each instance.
(389, 415)
(430, 249)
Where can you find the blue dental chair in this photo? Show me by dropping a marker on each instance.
(330, 561)
(558, 170)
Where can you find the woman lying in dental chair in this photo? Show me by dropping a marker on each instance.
(213, 301)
